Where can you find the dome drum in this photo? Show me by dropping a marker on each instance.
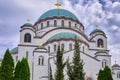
(60, 23)
(68, 18)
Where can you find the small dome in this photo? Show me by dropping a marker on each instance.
(115, 65)
(96, 30)
(64, 35)
(101, 51)
(58, 13)
(14, 50)
(41, 47)
(27, 25)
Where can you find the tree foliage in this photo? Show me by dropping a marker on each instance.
(75, 69)
(7, 66)
(105, 74)
(22, 71)
(59, 75)
(17, 72)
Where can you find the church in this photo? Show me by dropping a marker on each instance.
(39, 43)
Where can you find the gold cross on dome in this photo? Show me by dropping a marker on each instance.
(28, 20)
(96, 26)
(58, 4)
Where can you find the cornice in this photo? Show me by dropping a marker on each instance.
(59, 28)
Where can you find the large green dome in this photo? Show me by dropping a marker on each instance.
(64, 35)
(58, 13)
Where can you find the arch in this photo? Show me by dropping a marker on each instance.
(70, 24)
(62, 23)
(41, 60)
(100, 43)
(55, 22)
(41, 25)
(70, 46)
(27, 37)
(48, 23)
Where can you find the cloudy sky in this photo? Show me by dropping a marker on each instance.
(104, 13)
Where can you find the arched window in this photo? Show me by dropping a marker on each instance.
(16, 58)
(104, 63)
(69, 24)
(27, 37)
(118, 75)
(41, 25)
(48, 48)
(55, 23)
(62, 46)
(75, 25)
(62, 23)
(41, 60)
(100, 43)
(55, 48)
(83, 49)
(27, 55)
(70, 46)
(48, 24)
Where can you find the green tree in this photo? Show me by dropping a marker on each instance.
(22, 71)
(7, 66)
(75, 69)
(100, 75)
(107, 73)
(59, 75)
(17, 72)
(51, 76)
(0, 72)
(25, 72)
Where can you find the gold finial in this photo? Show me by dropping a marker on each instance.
(41, 43)
(96, 26)
(100, 46)
(58, 4)
(28, 20)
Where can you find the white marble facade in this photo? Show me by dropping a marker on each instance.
(38, 43)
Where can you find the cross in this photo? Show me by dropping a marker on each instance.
(58, 4)
(96, 26)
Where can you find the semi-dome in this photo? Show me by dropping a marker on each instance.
(14, 50)
(27, 25)
(64, 35)
(58, 13)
